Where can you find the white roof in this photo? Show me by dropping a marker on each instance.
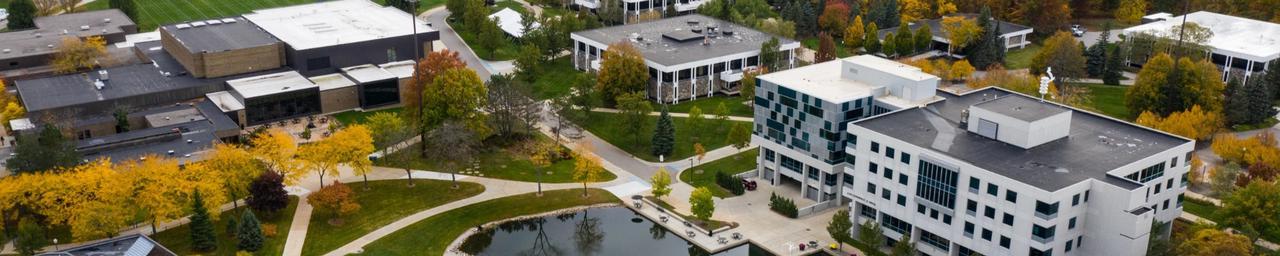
(367, 73)
(402, 69)
(253, 87)
(225, 101)
(1158, 15)
(509, 20)
(334, 22)
(1240, 37)
(331, 81)
(21, 124)
(821, 80)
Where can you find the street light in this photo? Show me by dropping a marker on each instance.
(413, 18)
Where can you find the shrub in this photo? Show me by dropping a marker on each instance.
(728, 182)
(783, 206)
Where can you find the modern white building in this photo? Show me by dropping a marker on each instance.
(633, 8)
(990, 171)
(688, 57)
(1014, 35)
(1239, 46)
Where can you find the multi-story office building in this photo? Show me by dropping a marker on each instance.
(988, 172)
(631, 9)
(801, 115)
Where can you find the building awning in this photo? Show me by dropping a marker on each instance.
(511, 22)
(731, 76)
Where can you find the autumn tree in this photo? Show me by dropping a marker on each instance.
(1195, 123)
(701, 204)
(453, 145)
(586, 168)
(267, 194)
(1063, 53)
(699, 151)
(74, 54)
(93, 199)
(541, 155)
(1222, 179)
(661, 181)
(202, 236)
(1163, 87)
(834, 19)
(1130, 11)
(854, 34)
(826, 49)
(1253, 207)
(234, 166)
(1045, 16)
(424, 73)
(664, 135)
(276, 149)
(10, 108)
(457, 95)
(839, 227)
(622, 71)
(1262, 172)
(635, 110)
(390, 130)
(337, 200)
(249, 234)
(1214, 242)
(961, 70)
(156, 188)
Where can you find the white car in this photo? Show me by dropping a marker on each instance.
(1077, 30)
(4, 14)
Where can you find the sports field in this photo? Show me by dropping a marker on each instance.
(160, 12)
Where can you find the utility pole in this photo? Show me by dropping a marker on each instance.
(417, 45)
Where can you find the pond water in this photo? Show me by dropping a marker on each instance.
(598, 231)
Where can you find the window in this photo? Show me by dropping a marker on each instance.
(875, 147)
(1011, 196)
(1075, 200)
(902, 200)
(873, 167)
(888, 152)
(868, 212)
(935, 183)
(1071, 224)
(829, 179)
(968, 228)
(1008, 219)
(813, 173)
(1004, 242)
(993, 190)
(989, 212)
(946, 218)
(871, 188)
(1046, 211)
(1034, 252)
(933, 214)
(768, 155)
(1174, 162)
(974, 183)
(920, 208)
(986, 234)
(1158, 187)
(884, 193)
(888, 173)
(1148, 174)
(972, 206)
(935, 240)
(318, 63)
(848, 180)
(1165, 206)
(906, 158)
(1086, 197)
(1079, 241)
(1042, 234)
(894, 224)
(902, 179)
(1069, 245)
(391, 55)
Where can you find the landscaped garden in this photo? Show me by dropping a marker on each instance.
(704, 175)
(497, 162)
(608, 127)
(386, 201)
(432, 235)
(178, 239)
(736, 106)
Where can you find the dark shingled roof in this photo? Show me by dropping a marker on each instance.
(1094, 146)
(667, 51)
(221, 36)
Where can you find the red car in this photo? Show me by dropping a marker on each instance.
(749, 184)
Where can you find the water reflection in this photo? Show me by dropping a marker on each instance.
(601, 231)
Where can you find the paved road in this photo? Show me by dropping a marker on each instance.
(436, 16)
(1091, 37)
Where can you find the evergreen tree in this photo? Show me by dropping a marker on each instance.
(1111, 73)
(884, 13)
(905, 42)
(872, 42)
(1257, 107)
(924, 38)
(989, 48)
(855, 10)
(1096, 55)
(202, 235)
(30, 238)
(44, 151)
(22, 14)
(249, 233)
(232, 226)
(664, 135)
(126, 6)
(1235, 106)
(1272, 78)
(890, 46)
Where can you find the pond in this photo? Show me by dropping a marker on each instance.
(598, 231)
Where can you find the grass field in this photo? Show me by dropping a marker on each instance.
(609, 127)
(1109, 100)
(385, 201)
(735, 105)
(1021, 58)
(178, 239)
(554, 79)
(500, 163)
(705, 174)
(154, 13)
(432, 235)
(358, 117)
(841, 52)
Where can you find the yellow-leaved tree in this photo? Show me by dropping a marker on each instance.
(9, 107)
(586, 167)
(74, 54)
(157, 187)
(356, 144)
(236, 168)
(276, 149)
(101, 207)
(1195, 123)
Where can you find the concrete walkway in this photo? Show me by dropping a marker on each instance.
(673, 114)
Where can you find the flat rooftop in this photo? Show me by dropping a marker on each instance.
(221, 34)
(1094, 146)
(331, 81)
(402, 69)
(367, 73)
(1242, 37)
(331, 23)
(186, 138)
(225, 101)
(270, 84)
(1023, 108)
(658, 47)
(825, 80)
(51, 29)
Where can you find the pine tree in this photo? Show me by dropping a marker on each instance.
(905, 42)
(890, 46)
(22, 14)
(249, 233)
(1096, 55)
(1115, 62)
(872, 42)
(232, 226)
(202, 235)
(1259, 102)
(664, 135)
(30, 238)
(924, 38)
(989, 48)
(1272, 78)
(1236, 106)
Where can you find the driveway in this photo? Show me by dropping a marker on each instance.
(1091, 37)
(436, 16)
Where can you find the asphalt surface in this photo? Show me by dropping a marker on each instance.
(451, 40)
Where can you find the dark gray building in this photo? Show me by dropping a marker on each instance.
(35, 47)
(323, 37)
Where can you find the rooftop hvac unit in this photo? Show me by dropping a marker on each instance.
(102, 75)
(106, 20)
(85, 27)
(182, 26)
(6, 50)
(228, 20)
(98, 84)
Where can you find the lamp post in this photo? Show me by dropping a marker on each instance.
(413, 18)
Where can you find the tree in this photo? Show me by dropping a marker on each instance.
(778, 27)
(701, 204)
(1251, 105)
(424, 74)
(127, 6)
(834, 19)
(915, 10)
(1063, 53)
(1163, 88)
(699, 151)
(528, 63)
(905, 42)
(904, 246)
(157, 188)
(586, 168)
(453, 145)
(739, 137)
(457, 8)
(1222, 179)
(267, 194)
(1096, 55)
(664, 135)
(961, 70)
(635, 114)
(1271, 78)
(31, 236)
(889, 46)
(22, 15)
(695, 120)
(1213, 242)
(923, 37)
(1131, 11)
(826, 49)
(870, 233)
(1111, 74)
(770, 58)
(73, 54)
(541, 155)
(884, 13)
(1046, 16)
(93, 199)
(854, 34)
(512, 111)
(1260, 171)
(1253, 207)
(457, 95)
(388, 130)
(960, 31)
(276, 149)
(872, 42)
(249, 233)
(722, 115)
(622, 71)
(404, 5)
(45, 151)
(1195, 123)
(202, 237)
(839, 227)
(337, 200)
(661, 181)
(748, 88)
(989, 49)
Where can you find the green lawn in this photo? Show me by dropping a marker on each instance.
(735, 105)
(386, 201)
(608, 126)
(1021, 58)
(500, 163)
(154, 13)
(554, 79)
(432, 235)
(705, 174)
(841, 52)
(1201, 208)
(178, 239)
(1108, 100)
(358, 117)
(422, 6)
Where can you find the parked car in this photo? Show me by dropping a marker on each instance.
(4, 14)
(750, 185)
(1077, 30)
